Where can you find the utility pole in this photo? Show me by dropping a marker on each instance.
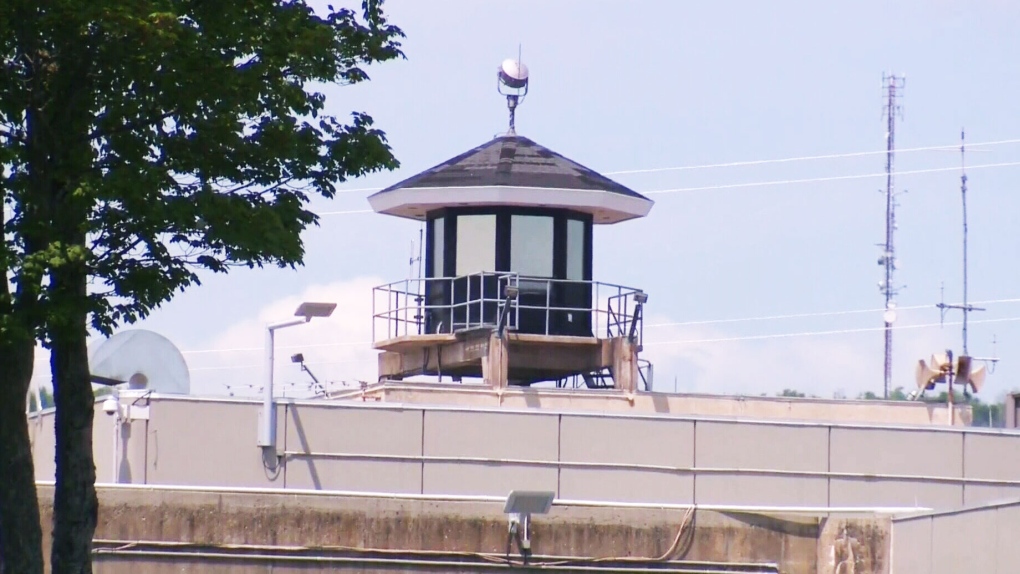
(892, 84)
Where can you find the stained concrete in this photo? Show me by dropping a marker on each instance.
(322, 523)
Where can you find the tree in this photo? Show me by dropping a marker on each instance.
(142, 142)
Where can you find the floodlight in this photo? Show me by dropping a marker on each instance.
(529, 502)
(511, 292)
(297, 358)
(309, 310)
(520, 505)
(641, 297)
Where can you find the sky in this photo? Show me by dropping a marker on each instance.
(642, 85)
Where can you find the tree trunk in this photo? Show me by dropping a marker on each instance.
(20, 529)
(75, 505)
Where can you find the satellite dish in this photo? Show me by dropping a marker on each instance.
(142, 359)
(889, 316)
(512, 82)
(513, 74)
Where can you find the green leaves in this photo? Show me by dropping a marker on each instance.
(146, 140)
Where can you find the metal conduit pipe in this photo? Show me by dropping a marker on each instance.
(749, 509)
(432, 564)
(102, 545)
(657, 468)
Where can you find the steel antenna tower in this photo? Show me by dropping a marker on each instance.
(892, 84)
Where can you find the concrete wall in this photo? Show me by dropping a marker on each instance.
(234, 528)
(687, 404)
(977, 539)
(329, 445)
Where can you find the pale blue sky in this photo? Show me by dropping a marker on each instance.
(632, 85)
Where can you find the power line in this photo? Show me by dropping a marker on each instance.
(824, 179)
(800, 158)
(772, 182)
(819, 333)
(754, 162)
(815, 314)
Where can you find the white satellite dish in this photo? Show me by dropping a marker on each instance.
(143, 360)
(513, 74)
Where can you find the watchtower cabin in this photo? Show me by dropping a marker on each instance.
(508, 293)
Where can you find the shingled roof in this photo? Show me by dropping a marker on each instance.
(512, 161)
(511, 171)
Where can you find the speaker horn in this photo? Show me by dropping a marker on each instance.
(976, 380)
(926, 377)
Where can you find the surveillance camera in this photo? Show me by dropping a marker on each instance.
(111, 406)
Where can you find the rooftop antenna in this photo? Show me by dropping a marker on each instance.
(512, 82)
(964, 306)
(891, 84)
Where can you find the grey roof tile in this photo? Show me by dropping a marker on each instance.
(512, 161)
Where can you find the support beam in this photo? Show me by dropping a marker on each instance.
(496, 363)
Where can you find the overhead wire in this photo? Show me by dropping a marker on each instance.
(769, 183)
(824, 179)
(744, 163)
(820, 333)
(953, 147)
(770, 336)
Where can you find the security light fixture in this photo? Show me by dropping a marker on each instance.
(520, 505)
(309, 310)
(297, 358)
(640, 298)
(267, 429)
(510, 292)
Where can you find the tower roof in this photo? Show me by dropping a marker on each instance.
(512, 170)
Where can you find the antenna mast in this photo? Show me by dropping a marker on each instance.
(512, 82)
(892, 84)
(965, 307)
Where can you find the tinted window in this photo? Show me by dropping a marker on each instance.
(476, 244)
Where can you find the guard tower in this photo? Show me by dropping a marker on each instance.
(508, 293)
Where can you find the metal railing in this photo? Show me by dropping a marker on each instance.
(452, 304)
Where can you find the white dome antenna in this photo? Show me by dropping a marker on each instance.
(512, 82)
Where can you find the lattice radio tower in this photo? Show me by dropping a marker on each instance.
(893, 85)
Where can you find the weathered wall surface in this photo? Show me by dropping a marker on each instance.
(978, 539)
(797, 545)
(373, 447)
(687, 404)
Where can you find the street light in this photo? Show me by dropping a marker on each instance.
(305, 311)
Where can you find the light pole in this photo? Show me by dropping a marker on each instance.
(305, 312)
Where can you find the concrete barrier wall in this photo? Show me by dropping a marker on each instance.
(155, 530)
(422, 449)
(979, 539)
